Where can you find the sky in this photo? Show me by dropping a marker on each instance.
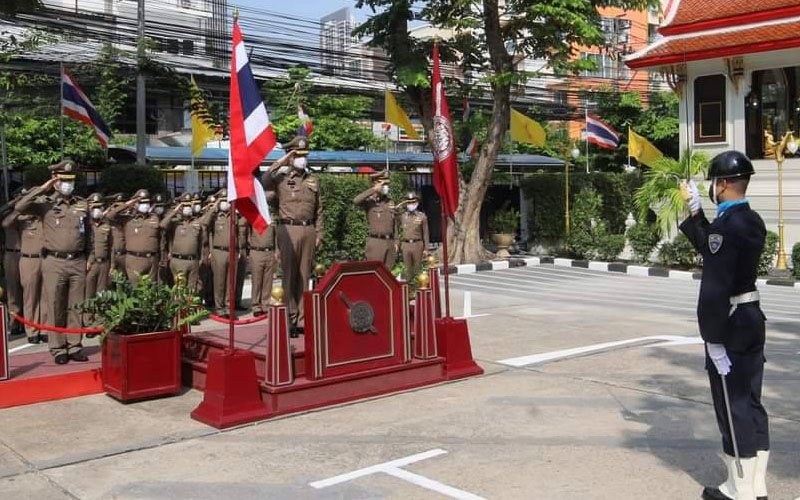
(311, 9)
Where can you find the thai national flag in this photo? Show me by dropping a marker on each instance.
(77, 106)
(306, 125)
(601, 133)
(252, 138)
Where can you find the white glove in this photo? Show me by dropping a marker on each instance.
(284, 169)
(719, 356)
(691, 195)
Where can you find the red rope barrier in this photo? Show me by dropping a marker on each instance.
(57, 329)
(226, 321)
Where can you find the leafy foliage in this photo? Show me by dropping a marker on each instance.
(796, 260)
(506, 220)
(767, 259)
(660, 191)
(679, 253)
(589, 237)
(145, 307)
(643, 238)
(127, 179)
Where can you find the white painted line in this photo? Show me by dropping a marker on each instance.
(393, 469)
(499, 264)
(465, 268)
(682, 275)
(598, 266)
(19, 348)
(638, 271)
(562, 262)
(467, 304)
(567, 353)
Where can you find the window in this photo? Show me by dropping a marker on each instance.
(606, 67)
(772, 107)
(709, 109)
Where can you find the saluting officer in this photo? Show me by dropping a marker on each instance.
(414, 238)
(220, 219)
(117, 235)
(296, 192)
(64, 221)
(142, 236)
(731, 321)
(261, 247)
(98, 267)
(12, 244)
(187, 238)
(381, 243)
(31, 241)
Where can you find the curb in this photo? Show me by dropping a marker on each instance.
(609, 267)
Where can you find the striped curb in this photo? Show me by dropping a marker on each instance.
(609, 267)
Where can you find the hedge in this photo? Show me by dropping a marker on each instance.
(128, 179)
(546, 192)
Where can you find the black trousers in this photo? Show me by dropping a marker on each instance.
(746, 352)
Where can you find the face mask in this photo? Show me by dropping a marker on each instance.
(712, 192)
(196, 208)
(97, 213)
(224, 206)
(385, 189)
(186, 211)
(300, 163)
(143, 208)
(412, 207)
(159, 210)
(66, 188)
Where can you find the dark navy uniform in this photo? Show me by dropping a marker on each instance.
(731, 248)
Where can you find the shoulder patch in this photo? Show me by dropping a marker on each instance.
(714, 242)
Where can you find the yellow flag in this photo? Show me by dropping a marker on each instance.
(641, 149)
(202, 121)
(396, 116)
(524, 129)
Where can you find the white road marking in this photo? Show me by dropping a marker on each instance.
(19, 348)
(467, 311)
(393, 468)
(566, 353)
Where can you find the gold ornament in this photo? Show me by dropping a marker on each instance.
(2, 293)
(277, 294)
(180, 279)
(432, 260)
(319, 270)
(423, 280)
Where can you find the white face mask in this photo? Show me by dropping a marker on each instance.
(97, 213)
(300, 163)
(143, 208)
(224, 206)
(159, 210)
(66, 187)
(411, 207)
(186, 211)
(385, 189)
(196, 208)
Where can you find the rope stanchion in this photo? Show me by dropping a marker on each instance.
(238, 322)
(56, 329)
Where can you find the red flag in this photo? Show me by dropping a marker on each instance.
(445, 164)
(252, 138)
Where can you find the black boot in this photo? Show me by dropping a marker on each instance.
(710, 493)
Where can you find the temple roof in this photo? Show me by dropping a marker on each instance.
(698, 15)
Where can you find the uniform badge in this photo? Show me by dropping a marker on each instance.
(714, 242)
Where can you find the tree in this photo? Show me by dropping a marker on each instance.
(492, 39)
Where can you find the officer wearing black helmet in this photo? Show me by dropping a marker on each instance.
(731, 322)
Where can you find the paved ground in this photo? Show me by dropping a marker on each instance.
(594, 390)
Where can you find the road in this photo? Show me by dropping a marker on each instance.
(594, 390)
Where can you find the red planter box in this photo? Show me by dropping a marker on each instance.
(142, 365)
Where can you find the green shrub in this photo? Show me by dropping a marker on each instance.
(768, 255)
(679, 253)
(643, 238)
(506, 220)
(609, 246)
(589, 237)
(128, 179)
(796, 259)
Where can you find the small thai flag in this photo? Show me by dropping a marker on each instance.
(306, 125)
(77, 106)
(601, 133)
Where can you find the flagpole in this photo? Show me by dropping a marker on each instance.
(586, 128)
(446, 264)
(629, 147)
(232, 261)
(61, 106)
(385, 128)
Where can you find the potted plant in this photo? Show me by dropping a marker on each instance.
(141, 346)
(504, 226)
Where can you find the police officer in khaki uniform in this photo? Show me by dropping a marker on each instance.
(219, 238)
(414, 239)
(117, 235)
(163, 274)
(11, 260)
(98, 266)
(64, 221)
(381, 244)
(298, 229)
(263, 263)
(31, 239)
(187, 238)
(142, 236)
(201, 209)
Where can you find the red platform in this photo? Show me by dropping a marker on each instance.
(36, 378)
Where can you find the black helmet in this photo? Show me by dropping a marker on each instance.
(730, 164)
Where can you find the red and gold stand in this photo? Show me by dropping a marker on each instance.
(424, 325)
(279, 370)
(3, 343)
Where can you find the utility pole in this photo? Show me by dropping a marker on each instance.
(3, 154)
(141, 137)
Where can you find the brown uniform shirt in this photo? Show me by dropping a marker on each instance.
(11, 231)
(64, 220)
(299, 197)
(101, 240)
(264, 240)
(187, 238)
(31, 235)
(220, 235)
(380, 212)
(143, 234)
(414, 226)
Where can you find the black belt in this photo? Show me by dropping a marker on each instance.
(410, 241)
(382, 236)
(293, 222)
(100, 260)
(63, 255)
(184, 257)
(12, 250)
(262, 249)
(119, 252)
(145, 255)
(30, 255)
(224, 249)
